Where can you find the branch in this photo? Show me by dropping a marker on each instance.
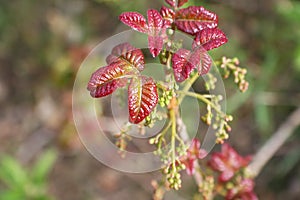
(203, 99)
(274, 143)
(185, 136)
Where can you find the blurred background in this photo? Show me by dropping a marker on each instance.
(42, 44)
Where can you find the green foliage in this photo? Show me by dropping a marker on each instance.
(290, 12)
(22, 183)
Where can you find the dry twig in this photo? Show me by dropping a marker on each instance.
(274, 143)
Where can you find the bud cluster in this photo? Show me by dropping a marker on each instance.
(122, 139)
(231, 66)
(210, 84)
(206, 187)
(173, 177)
(217, 119)
(153, 117)
(165, 97)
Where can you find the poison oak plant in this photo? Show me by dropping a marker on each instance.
(224, 173)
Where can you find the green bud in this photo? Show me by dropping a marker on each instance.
(167, 102)
(176, 186)
(162, 104)
(229, 118)
(171, 180)
(170, 32)
(227, 128)
(183, 167)
(152, 140)
(215, 126)
(179, 181)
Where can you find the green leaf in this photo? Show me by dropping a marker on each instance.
(43, 166)
(12, 173)
(263, 118)
(12, 195)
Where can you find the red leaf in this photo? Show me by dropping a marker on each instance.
(155, 20)
(181, 65)
(173, 3)
(155, 24)
(135, 20)
(127, 53)
(119, 51)
(142, 98)
(226, 175)
(185, 61)
(194, 19)
(228, 162)
(154, 28)
(189, 165)
(242, 190)
(194, 150)
(124, 60)
(155, 44)
(106, 80)
(202, 60)
(168, 16)
(209, 38)
(181, 2)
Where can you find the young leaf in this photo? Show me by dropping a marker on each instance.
(181, 65)
(155, 24)
(155, 20)
(227, 162)
(118, 51)
(107, 79)
(142, 98)
(173, 3)
(135, 20)
(194, 19)
(124, 60)
(154, 28)
(155, 44)
(202, 60)
(181, 2)
(209, 38)
(185, 61)
(127, 52)
(168, 16)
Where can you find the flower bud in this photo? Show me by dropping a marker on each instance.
(152, 140)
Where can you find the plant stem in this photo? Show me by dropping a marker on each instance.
(164, 131)
(173, 136)
(160, 136)
(187, 86)
(203, 99)
(274, 143)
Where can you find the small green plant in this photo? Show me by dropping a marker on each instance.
(26, 184)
